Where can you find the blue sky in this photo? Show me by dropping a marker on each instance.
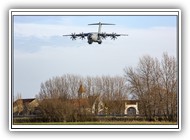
(130, 21)
(40, 51)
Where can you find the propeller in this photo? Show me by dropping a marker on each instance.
(82, 36)
(104, 35)
(73, 36)
(113, 36)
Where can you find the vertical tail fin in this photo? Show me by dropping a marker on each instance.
(100, 25)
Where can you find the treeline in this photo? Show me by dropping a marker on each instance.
(67, 87)
(153, 82)
(58, 96)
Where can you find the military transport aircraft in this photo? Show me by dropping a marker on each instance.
(96, 36)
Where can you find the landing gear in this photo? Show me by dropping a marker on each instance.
(89, 42)
(99, 42)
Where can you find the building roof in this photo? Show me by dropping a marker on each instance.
(24, 101)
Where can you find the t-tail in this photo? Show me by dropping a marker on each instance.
(100, 25)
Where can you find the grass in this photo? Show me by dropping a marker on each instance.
(99, 123)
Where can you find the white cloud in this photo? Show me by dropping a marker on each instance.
(45, 30)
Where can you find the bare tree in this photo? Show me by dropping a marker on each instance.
(59, 95)
(169, 84)
(54, 95)
(154, 84)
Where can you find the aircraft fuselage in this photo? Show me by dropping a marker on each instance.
(94, 37)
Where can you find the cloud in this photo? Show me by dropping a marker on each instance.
(45, 30)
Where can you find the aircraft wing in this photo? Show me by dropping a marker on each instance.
(111, 35)
(80, 35)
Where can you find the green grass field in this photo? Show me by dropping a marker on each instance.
(99, 123)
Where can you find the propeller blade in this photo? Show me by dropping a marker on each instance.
(82, 36)
(73, 36)
(113, 36)
(104, 36)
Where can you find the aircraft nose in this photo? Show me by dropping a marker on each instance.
(90, 36)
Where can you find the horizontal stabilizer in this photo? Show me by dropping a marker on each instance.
(101, 24)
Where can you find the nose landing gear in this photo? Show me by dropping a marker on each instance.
(89, 42)
(100, 42)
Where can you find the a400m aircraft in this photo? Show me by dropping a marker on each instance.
(96, 36)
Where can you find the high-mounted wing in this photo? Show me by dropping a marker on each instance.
(113, 36)
(74, 36)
